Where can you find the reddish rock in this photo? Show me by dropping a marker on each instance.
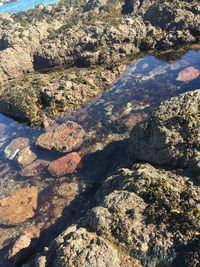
(64, 138)
(65, 165)
(19, 206)
(36, 168)
(17, 145)
(188, 74)
(23, 241)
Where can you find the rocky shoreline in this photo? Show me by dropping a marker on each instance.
(74, 194)
(144, 214)
(90, 39)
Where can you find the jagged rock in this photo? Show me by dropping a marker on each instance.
(64, 165)
(65, 138)
(143, 209)
(18, 207)
(171, 136)
(78, 247)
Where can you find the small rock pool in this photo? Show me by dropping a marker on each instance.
(53, 203)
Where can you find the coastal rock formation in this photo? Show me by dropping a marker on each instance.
(64, 138)
(144, 215)
(78, 32)
(171, 136)
(78, 247)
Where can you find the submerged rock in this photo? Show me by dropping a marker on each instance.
(36, 168)
(64, 165)
(15, 147)
(18, 207)
(64, 138)
(188, 74)
(23, 241)
(171, 136)
(26, 157)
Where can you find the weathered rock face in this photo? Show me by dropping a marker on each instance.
(78, 34)
(171, 136)
(19, 206)
(78, 247)
(64, 138)
(64, 165)
(145, 212)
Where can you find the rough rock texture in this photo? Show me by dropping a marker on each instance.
(171, 136)
(64, 138)
(78, 247)
(144, 212)
(18, 207)
(64, 165)
(144, 215)
(87, 34)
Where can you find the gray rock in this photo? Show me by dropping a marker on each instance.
(171, 136)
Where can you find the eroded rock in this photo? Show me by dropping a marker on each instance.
(171, 136)
(64, 165)
(64, 138)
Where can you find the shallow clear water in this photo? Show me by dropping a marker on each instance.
(107, 118)
(24, 5)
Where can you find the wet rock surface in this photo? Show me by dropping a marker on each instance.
(144, 215)
(64, 138)
(135, 227)
(18, 207)
(64, 165)
(82, 34)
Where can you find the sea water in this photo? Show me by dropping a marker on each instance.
(24, 5)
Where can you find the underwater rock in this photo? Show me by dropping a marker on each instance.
(22, 241)
(18, 207)
(25, 157)
(64, 165)
(38, 167)
(16, 146)
(171, 136)
(188, 74)
(65, 138)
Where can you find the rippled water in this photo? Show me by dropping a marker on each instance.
(107, 118)
(24, 5)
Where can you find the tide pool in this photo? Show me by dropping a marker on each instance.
(24, 5)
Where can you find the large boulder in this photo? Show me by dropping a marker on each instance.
(149, 212)
(171, 136)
